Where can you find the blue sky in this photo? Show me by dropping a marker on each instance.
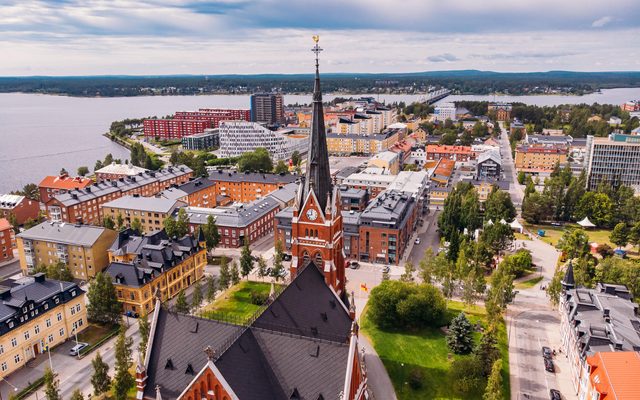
(83, 37)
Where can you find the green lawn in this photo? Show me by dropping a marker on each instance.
(553, 233)
(93, 333)
(235, 304)
(528, 283)
(426, 349)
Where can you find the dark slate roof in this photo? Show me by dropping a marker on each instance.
(568, 281)
(302, 306)
(257, 177)
(177, 338)
(196, 185)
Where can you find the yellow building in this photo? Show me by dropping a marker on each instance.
(346, 144)
(150, 211)
(388, 160)
(82, 247)
(539, 158)
(37, 313)
(142, 265)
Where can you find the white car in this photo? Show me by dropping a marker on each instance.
(417, 241)
(75, 350)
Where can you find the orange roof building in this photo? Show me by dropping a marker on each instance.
(53, 185)
(612, 376)
(442, 173)
(457, 153)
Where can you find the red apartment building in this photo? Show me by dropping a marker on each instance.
(20, 207)
(53, 185)
(186, 123)
(456, 153)
(215, 115)
(6, 240)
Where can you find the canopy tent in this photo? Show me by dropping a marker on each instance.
(489, 222)
(503, 222)
(516, 226)
(585, 223)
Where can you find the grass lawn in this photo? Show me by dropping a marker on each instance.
(93, 333)
(235, 304)
(528, 283)
(426, 349)
(553, 233)
(521, 236)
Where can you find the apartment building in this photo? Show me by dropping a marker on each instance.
(611, 376)
(238, 222)
(239, 137)
(207, 140)
(115, 171)
(37, 313)
(150, 211)
(347, 144)
(445, 111)
(387, 160)
(536, 158)
(456, 153)
(6, 240)
(173, 129)
(199, 192)
(19, 207)
(53, 185)
(267, 108)
(83, 205)
(489, 165)
(82, 247)
(248, 186)
(214, 115)
(613, 159)
(141, 266)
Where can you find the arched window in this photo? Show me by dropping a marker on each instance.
(318, 259)
(306, 232)
(305, 256)
(316, 233)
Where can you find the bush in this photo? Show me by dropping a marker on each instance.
(466, 375)
(258, 298)
(396, 304)
(416, 379)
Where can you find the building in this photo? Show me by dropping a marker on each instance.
(268, 108)
(214, 115)
(502, 111)
(631, 105)
(238, 222)
(353, 199)
(615, 121)
(37, 313)
(613, 159)
(374, 184)
(173, 129)
(565, 140)
(53, 185)
(285, 196)
(517, 127)
(18, 208)
(595, 320)
(611, 375)
(445, 111)
(438, 194)
(83, 248)
(348, 144)
(142, 267)
(536, 158)
(6, 240)
(207, 140)
(386, 226)
(115, 171)
(149, 211)
(489, 165)
(199, 192)
(248, 186)
(387, 160)
(456, 153)
(442, 172)
(484, 187)
(83, 205)
(239, 137)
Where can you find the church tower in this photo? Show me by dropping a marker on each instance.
(316, 227)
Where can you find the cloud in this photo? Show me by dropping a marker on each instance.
(445, 57)
(601, 22)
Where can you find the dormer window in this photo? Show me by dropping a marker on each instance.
(31, 306)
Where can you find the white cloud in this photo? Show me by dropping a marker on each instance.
(600, 22)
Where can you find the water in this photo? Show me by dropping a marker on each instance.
(40, 134)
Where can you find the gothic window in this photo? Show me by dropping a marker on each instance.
(306, 232)
(305, 256)
(318, 259)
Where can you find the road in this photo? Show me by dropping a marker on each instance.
(429, 238)
(508, 168)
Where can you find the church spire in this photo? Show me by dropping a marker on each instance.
(318, 177)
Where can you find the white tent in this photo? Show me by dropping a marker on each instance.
(585, 223)
(503, 222)
(489, 222)
(516, 226)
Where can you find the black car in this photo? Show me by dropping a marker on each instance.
(546, 352)
(554, 394)
(548, 365)
(354, 265)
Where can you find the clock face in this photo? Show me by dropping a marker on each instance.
(312, 215)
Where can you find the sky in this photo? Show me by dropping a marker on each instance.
(156, 37)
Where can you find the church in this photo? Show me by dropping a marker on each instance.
(303, 345)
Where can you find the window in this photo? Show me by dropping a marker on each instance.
(14, 342)
(59, 316)
(16, 358)
(27, 335)
(4, 367)
(48, 322)
(78, 307)
(61, 331)
(36, 329)
(1, 349)
(50, 339)
(46, 306)
(73, 310)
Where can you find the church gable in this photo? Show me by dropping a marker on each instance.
(311, 211)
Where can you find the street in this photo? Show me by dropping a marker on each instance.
(509, 169)
(429, 238)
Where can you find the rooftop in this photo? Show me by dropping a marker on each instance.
(4, 224)
(443, 148)
(615, 374)
(151, 204)
(65, 182)
(390, 208)
(121, 169)
(10, 200)
(237, 215)
(387, 156)
(65, 233)
(253, 177)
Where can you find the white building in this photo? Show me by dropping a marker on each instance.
(238, 137)
(445, 111)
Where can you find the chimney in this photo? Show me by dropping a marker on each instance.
(39, 277)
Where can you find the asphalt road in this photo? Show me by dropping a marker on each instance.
(509, 169)
(429, 237)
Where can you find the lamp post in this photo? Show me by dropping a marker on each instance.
(15, 389)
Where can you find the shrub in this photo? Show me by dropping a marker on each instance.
(466, 375)
(396, 304)
(258, 298)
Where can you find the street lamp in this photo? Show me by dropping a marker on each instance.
(15, 389)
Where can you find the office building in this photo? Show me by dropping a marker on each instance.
(83, 248)
(53, 185)
(149, 211)
(37, 313)
(239, 137)
(268, 108)
(6, 240)
(207, 140)
(613, 159)
(445, 111)
(115, 171)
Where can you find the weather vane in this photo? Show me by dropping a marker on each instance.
(316, 49)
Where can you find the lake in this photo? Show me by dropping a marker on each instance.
(40, 134)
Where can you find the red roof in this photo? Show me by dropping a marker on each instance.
(615, 374)
(4, 224)
(65, 182)
(437, 148)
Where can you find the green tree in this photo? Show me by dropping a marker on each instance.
(498, 237)
(537, 207)
(500, 292)
(460, 335)
(100, 378)
(574, 243)
(77, 395)
(136, 226)
(246, 259)
(196, 298)
(144, 328)
(257, 160)
(618, 271)
(108, 223)
(181, 305)
(487, 351)
(521, 177)
(278, 268)
(262, 267)
(634, 235)
(235, 273)
(97, 166)
(181, 224)
(225, 274)
(103, 303)
(554, 288)
(211, 233)
(427, 266)
(493, 390)
(122, 379)
(281, 168)
(51, 390)
(499, 206)
(108, 160)
(120, 222)
(597, 206)
(620, 235)
(295, 158)
(212, 288)
(82, 171)
(409, 269)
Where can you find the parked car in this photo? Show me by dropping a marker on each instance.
(354, 265)
(548, 365)
(546, 352)
(386, 269)
(75, 350)
(554, 394)
(417, 241)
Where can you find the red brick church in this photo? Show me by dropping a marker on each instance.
(303, 345)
